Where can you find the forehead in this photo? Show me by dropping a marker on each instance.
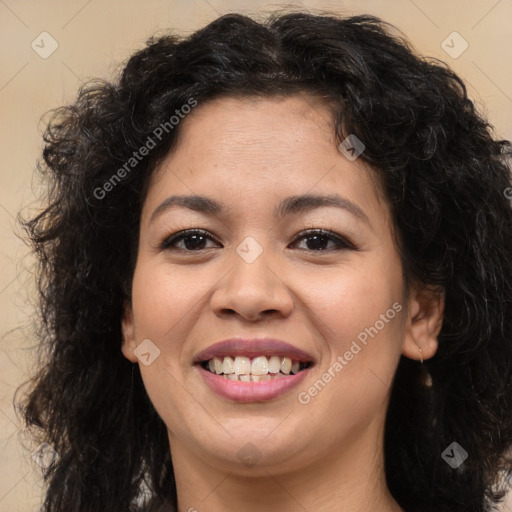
(240, 149)
(270, 126)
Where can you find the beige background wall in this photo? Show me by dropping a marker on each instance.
(93, 38)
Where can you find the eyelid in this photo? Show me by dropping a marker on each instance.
(165, 244)
(342, 241)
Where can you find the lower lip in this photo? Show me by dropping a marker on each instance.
(251, 391)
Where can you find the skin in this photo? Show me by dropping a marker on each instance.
(326, 455)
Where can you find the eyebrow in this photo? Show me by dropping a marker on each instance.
(292, 205)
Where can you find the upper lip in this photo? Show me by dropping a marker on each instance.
(252, 347)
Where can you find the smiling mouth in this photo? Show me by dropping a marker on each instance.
(255, 369)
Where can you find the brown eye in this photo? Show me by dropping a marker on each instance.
(318, 239)
(191, 240)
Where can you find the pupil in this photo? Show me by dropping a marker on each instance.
(196, 242)
(317, 244)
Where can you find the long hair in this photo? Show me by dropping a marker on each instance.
(444, 174)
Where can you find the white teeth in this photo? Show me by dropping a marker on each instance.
(228, 365)
(274, 364)
(286, 365)
(242, 365)
(253, 378)
(259, 366)
(218, 365)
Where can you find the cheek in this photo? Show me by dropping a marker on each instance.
(355, 298)
(164, 307)
(360, 316)
(163, 299)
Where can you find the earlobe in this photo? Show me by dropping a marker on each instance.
(424, 322)
(127, 329)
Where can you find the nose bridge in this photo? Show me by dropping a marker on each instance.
(253, 284)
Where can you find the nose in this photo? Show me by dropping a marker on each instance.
(254, 291)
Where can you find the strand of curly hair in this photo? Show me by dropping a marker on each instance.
(441, 170)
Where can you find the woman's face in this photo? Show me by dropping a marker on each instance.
(269, 171)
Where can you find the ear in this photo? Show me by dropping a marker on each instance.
(128, 331)
(425, 309)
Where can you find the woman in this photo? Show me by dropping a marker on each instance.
(275, 275)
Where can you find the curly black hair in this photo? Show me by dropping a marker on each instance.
(442, 170)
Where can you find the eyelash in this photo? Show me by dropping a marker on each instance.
(341, 242)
